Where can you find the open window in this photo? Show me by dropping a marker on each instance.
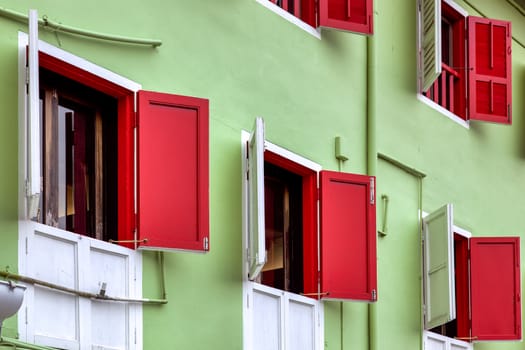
(472, 81)
(350, 15)
(99, 158)
(471, 284)
(284, 246)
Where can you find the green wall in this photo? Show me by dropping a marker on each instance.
(250, 62)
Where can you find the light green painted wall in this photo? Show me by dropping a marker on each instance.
(250, 62)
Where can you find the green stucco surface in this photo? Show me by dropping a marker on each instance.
(250, 62)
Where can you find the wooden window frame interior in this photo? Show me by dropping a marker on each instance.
(107, 82)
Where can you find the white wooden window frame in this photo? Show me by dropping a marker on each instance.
(291, 18)
(249, 288)
(437, 57)
(431, 340)
(29, 164)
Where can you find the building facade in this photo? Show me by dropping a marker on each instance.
(258, 174)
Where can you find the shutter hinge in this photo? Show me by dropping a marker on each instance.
(27, 249)
(374, 295)
(247, 301)
(135, 335)
(372, 191)
(27, 75)
(206, 243)
(26, 314)
(508, 110)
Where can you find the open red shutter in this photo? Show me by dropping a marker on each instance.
(348, 15)
(172, 172)
(495, 288)
(489, 60)
(348, 236)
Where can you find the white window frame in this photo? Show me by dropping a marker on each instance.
(420, 95)
(447, 343)
(291, 18)
(249, 287)
(26, 227)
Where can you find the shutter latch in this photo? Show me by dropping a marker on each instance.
(206, 243)
(372, 191)
(374, 295)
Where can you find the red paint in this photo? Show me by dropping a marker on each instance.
(461, 275)
(348, 15)
(348, 237)
(495, 288)
(490, 77)
(173, 204)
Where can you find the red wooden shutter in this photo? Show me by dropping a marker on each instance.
(348, 15)
(495, 288)
(490, 65)
(172, 171)
(348, 236)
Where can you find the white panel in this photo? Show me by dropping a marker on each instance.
(438, 264)
(300, 326)
(429, 41)
(54, 260)
(109, 324)
(109, 321)
(266, 321)
(433, 342)
(33, 130)
(256, 232)
(64, 323)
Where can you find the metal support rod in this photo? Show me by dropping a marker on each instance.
(48, 24)
(83, 294)
(17, 344)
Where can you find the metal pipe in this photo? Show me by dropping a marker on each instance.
(83, 294)
(402, 166)
(17, 344)
(48, 24)
(371, 156)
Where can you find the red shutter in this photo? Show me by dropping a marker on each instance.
(348, 15)
(348, 236)
(495, 288)
(172, 171)
(489, 62)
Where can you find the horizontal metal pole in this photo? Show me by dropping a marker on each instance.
(48, 24)
(30, 280)
(17, 344)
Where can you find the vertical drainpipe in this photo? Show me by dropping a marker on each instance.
(371, 156)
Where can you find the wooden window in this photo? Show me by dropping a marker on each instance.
(350, 15)
(79, 176)
(90, 122)
(472, 81)
(283, 241)
(467, 295)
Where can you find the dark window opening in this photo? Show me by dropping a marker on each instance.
(79, 157)
(284, 231)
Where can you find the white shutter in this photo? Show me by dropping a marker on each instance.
(434, 341)
(256, 230)
(429, 41)
(68, 321)
(33, 119)
(438, 267)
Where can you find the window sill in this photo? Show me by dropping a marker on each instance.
(291, 18)
(444, 111)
